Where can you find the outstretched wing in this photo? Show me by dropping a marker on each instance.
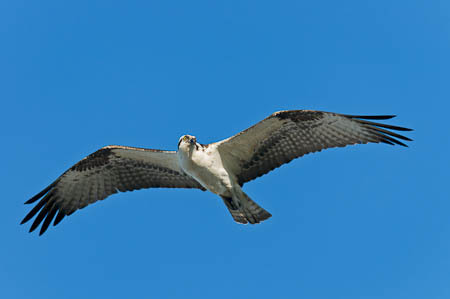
(107, 171)
(286, 135)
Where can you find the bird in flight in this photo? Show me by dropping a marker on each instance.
(222, 167)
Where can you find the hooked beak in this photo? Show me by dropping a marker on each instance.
(192, 141)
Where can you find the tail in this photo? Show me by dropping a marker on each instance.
(244, 210)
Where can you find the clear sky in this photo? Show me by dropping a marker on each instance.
(368, 221)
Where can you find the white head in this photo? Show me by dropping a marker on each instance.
(187, 142)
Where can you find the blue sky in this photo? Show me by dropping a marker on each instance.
(368, 221)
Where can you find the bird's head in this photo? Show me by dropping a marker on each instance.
(187, 141)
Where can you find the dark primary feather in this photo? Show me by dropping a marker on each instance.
(376, 128)
(105, 172)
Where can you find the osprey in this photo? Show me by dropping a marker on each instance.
(222, 167)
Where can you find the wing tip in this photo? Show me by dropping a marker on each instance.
(40, 194)
(388, 116)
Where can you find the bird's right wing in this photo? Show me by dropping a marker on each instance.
(107, 171)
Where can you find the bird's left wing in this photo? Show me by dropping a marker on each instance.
(107, 171)
(286, 135)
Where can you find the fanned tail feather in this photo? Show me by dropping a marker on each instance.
(246, 210)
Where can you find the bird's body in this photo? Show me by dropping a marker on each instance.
(205, 165)
(222, 167)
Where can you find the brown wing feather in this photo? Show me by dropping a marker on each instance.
(105, 172)
(286, 135)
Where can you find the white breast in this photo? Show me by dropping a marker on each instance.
(205, 165)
